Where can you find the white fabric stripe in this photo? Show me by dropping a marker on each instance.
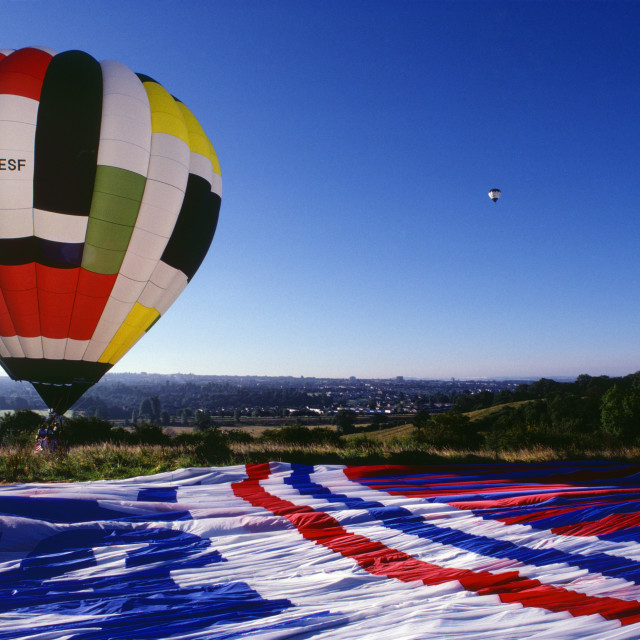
(75, 349)
(361, 522)
(18, 117)
(53, 348)
(59, 227)
(16, 223)
(146, 244)
(164, 145)
(264, 551)
(16, 141)
(216, 185)
(4, 351)
(119, 79)
(284, 565)
(161, 203)
(160, 298)
(447, 517)
(13, 346)
(112, 153)
(170, 295)
(32, 347)
(114, 314)
(150, 294)
(19, 109)
(160, 207)
(125, 130)
(454, 518)
(163, 275)
(136, 267)
(126, 118)
(201, 166)
(162, 198)
(126, 290)
(165, 170)
(94, 350)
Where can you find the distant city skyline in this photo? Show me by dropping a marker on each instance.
(358, 142)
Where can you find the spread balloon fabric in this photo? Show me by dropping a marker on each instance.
(109, 199)
(278, 551)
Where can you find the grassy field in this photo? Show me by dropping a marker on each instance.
(186, 447)
(109, 461)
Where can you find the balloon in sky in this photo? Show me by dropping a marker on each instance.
(109, 199)
(494, 194)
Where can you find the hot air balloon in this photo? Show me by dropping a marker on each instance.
(109, 199)
(494, 194)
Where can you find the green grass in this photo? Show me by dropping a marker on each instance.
(108, 461)
(478, 414)
(397, 431)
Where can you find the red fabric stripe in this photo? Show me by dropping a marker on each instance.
(608, 524)
(17, 277)
(23, 71)
(381, 470)
(54, 303)
(98, 285)
(511, 501)
(26, 325)
(541, 497)
(18, 285)
(427, 472)
(6, 326)
(56, 293)
(378, 559)
(91, 298)
(541, 515)
(54, 280)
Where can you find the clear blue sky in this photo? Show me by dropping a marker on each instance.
(358, 140)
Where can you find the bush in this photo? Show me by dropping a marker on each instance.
(20, 428)
(211, 447)
(81, 430)
(301, 435)
(364, 443)
(450, 430)
(238, 435)
(148, 433)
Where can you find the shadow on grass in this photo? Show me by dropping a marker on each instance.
(111, 461)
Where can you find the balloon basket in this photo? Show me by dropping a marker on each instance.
(48, 439)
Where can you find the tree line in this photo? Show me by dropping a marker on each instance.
(589, 413)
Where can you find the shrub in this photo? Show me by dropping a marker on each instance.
(211, 447)
(81, 430)
(450, 430)
(301, 435)
(148, 433)
(238, 435)
(364, 443)
(19, 428)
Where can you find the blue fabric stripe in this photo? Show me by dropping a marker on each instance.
(61, 510)
(143, 585)
(158, 494)
(501, 474)
(402, 519)
(168, 610)
(585, 514)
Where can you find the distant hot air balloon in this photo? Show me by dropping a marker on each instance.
(109, 199)
(494, 194)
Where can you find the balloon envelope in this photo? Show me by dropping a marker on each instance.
(494, 194)
(109, 199)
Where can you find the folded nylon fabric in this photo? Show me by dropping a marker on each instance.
(280, 550)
